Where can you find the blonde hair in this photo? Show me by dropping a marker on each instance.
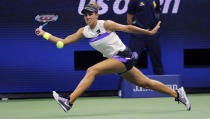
(94, 4)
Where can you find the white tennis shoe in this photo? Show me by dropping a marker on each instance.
(182, 97)
(63, 102)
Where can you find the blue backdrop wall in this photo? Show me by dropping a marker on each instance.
(31, 64)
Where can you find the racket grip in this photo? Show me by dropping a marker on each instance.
(40, 27)
(38, 30)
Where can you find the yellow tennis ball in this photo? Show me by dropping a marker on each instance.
(59, 44)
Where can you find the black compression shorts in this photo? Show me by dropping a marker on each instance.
(127, 57)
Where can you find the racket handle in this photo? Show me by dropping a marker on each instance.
(38, 30)
(42, 26)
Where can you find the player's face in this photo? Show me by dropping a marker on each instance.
(90, 18)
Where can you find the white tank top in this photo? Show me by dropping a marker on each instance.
(109, 44)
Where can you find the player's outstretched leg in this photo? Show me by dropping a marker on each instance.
(182, 97)
(139, 79)
(63, 102)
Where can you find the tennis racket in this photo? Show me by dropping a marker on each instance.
(45, 19)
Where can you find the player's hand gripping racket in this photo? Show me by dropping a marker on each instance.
(45, 19)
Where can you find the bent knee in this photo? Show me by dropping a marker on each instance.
(93, 71)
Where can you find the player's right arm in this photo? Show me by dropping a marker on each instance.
(68, 40)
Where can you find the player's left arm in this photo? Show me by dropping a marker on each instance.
(113, 26)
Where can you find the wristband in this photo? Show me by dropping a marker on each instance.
(46, 35)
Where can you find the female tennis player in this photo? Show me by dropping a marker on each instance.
(120, 59)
